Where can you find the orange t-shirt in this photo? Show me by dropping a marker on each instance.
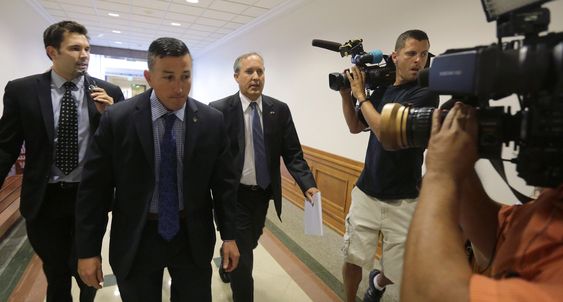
(528, 264)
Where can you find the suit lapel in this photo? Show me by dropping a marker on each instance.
(92, 111)
(268, 119)
(143, 124)
(46, 104)
(238, 123)
(192, 124)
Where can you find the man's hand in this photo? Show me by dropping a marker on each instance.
(435, 267)
(345, 92)
(230, 255)
(310, 193)
(357, 84)
(90, 271)
(101, 99)
(452, 149)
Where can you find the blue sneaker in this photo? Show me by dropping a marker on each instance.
(373, 294)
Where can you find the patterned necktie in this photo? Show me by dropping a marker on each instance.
(260, 162)
(66, 153)
(168, 220)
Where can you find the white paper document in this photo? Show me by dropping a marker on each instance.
(314, 216)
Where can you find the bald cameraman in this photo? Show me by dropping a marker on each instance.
(384, 198)
(522, 244)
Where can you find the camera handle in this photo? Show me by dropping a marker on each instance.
(499, 167)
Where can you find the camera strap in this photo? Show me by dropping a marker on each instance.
(499, 167)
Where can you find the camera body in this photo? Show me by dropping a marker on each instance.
(377, 72)
(531, 68)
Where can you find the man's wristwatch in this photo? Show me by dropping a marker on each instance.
(361, 102)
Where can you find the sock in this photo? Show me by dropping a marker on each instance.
(380, 288)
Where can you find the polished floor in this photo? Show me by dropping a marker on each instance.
(279, 275)
(290, 266)
(277, 278)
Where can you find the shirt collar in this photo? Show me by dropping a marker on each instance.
(59, 81)
(245, 102)
(158, 110)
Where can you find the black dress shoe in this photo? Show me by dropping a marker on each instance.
(225, 276)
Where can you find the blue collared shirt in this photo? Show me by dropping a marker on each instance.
(157, 112)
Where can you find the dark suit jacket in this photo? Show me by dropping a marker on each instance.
(121, 156)
(28, 116)
(280, 139)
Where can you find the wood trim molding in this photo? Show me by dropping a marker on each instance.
(9, 203)
(335, 176)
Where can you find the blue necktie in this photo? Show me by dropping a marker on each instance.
(260, 162)
(168, 220)
(66, 153)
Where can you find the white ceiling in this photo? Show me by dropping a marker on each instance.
(201, 25)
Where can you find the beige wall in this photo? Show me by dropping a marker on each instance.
(21, 37)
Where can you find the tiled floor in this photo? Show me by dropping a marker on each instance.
(272, 281)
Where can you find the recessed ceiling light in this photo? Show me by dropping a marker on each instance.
(175, 24)
(116, 31)
(113, 14)
(117, 42)
(192, 1)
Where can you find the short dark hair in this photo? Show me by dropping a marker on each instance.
(416, 34)
(166, 47)
(236, 65)
(54, 34)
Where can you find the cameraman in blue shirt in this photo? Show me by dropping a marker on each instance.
(386, 192)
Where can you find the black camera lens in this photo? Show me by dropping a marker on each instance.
(337, 81)
(405, 127)
(419, 123)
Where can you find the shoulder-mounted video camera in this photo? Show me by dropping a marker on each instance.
(378, 72)
(531, 68)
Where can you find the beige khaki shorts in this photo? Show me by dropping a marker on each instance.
(367, 220)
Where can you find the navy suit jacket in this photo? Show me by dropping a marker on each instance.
(121, 156)
(28, 117)
(280, 139)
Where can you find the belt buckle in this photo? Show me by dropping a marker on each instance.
(66, 185)
(254, 188)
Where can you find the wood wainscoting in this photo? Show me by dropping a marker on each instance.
(335, 176)
(9, 203)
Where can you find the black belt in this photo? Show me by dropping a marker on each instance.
(154, 216)
(243, 187)
(249, 188)
(63, 185)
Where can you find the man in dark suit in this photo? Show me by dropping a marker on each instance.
(257, 161)
(36, 111)
(164, 153)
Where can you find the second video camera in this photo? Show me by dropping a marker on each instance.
(378, 73)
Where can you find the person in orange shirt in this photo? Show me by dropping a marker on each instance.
(522, 244)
